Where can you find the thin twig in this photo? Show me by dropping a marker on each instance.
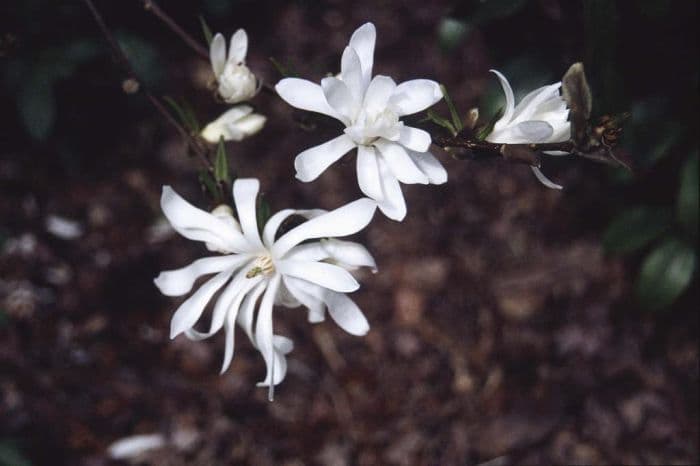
(153, 7)
(124, 62)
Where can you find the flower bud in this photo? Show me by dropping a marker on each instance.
(235, 124)
(237, 83)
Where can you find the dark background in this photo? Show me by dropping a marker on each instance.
(505, 325)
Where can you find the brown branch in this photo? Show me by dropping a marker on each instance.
(153, 7)
(135, 84)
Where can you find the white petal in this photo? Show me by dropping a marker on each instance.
(316, 307)
(217, 54)
(544, 180)
(429, 165)
(510, 101)
(263, 327)
(414, 139)
(189, 312)
(393, 205)
(230, 339)
(362, 41)
(273, 224)
(220, 127)
(312, 252)
(245, 191)
(349, 254)
(180, 281)
(346, 314)
(368, 173)
(282, 344)
(343, 221)
(228, 303)
(531, 104)
(339, 97)
(522, 133)
(239, 47)
(351, 73)
(379, 92)
(341, 308)
(247, 310)
(198, 225)
(415, 96)
(326, 275)
(314, 161)
(305, 95)
(400, 164)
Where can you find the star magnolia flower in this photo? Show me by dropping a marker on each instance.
(235, 124)
(236, 82)
(283, 271)
(388, 152)
(541, 116)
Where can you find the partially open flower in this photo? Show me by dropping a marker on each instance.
(236, 82)
(541, 116)
(235, 124)
(298, 268)
(388, 152)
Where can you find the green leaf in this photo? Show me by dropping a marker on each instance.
(440, 121)
(221, 173)
(208, 183)
(11, 456)
(456, 120)
(286, 71)
(262, 213)
(184, 113)
(451, 33)
(208, 36)
(665, 274)
(485, 130)
(687, 206)
(496, 9)
(635, 228)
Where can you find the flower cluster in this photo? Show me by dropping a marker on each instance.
(308, 265)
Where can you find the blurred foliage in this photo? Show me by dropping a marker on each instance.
(10, 455)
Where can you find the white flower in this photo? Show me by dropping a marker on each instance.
(235, 124)
(283, 271)
(541, 116)
(236, 82)
(387, 151)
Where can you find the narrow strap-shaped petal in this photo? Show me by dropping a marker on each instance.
(544, 180)
(430, 166)
(379, 91)
(189, 312)
(348, 254)
(343, 221)
(342, 309)
(522, 133)
(362, 41)
(239, 47)
(263, 326)
(316, 307)
(510, 101)
(400, 164)
(340, 98)
(217, 54)
(179, 282)
(312, 252)
(230, 338)
(245, 192)
(351, 73)
(326, 275)
(415, 96)
(314, 161)
(246, 312)
(305, 95)
(229, 301)
(368, 173)
(273, 225)
(393, 205)
(198, 225)
(414, 139)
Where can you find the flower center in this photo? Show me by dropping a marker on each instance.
(371, 124)
(263, 265)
